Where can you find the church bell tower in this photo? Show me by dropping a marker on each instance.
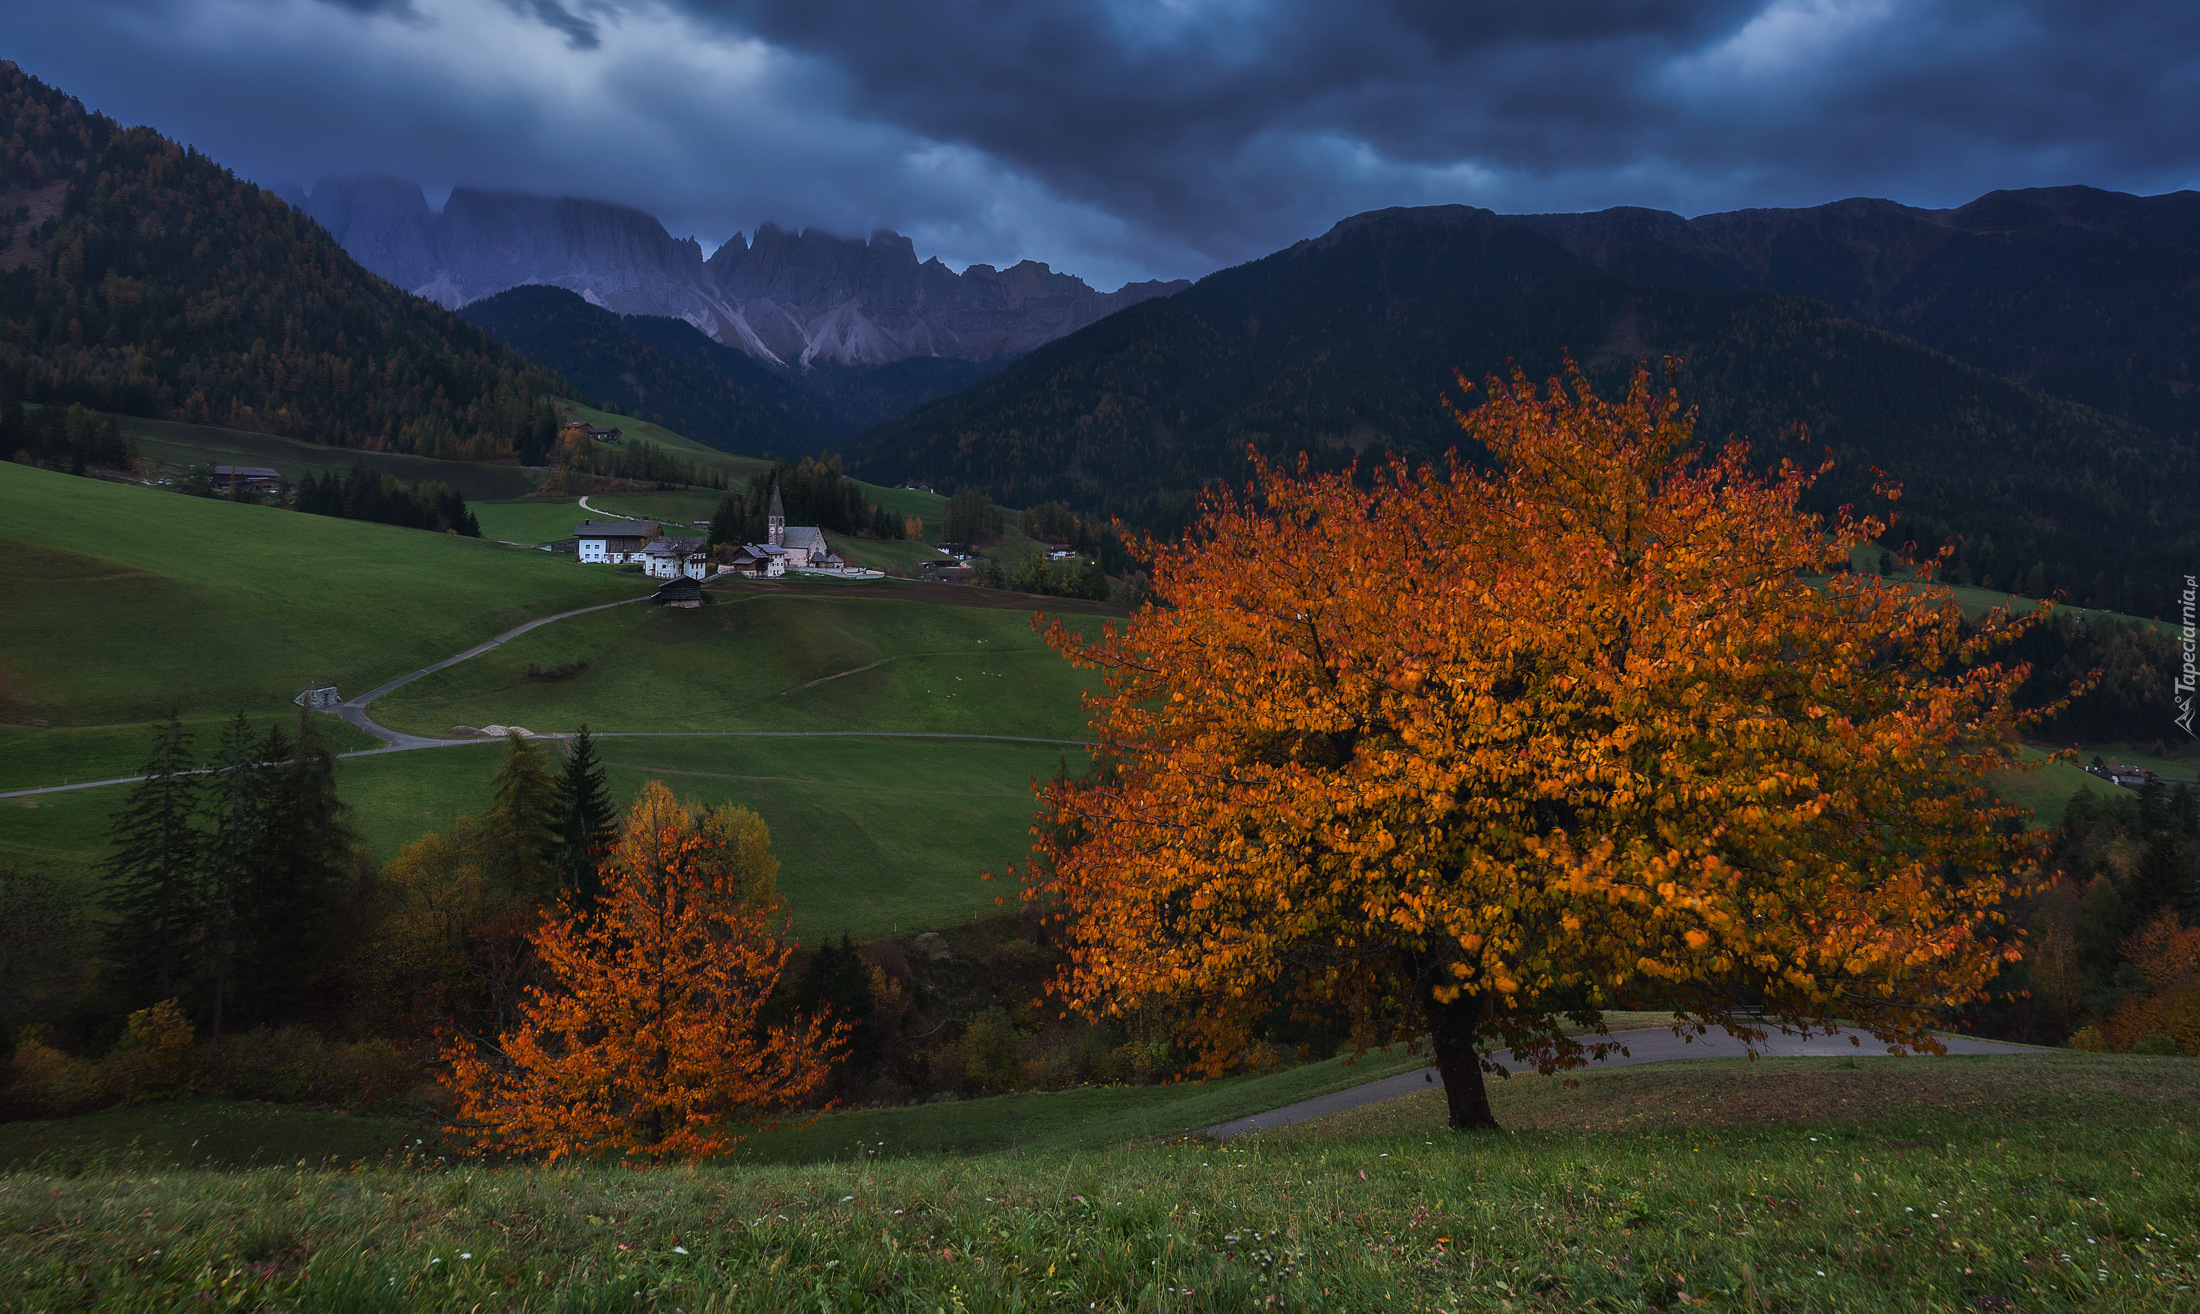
(775, 523)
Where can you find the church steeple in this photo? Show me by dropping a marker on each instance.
(775, 522)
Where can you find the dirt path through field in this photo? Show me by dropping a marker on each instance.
(354, 710)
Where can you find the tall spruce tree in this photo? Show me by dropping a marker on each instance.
(582, 822)
(236, 808)
(153, 874)
(296, 883)
(519, 840)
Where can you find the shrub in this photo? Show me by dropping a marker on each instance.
(995, 1053)
(152, 1061)
(43, 1082)
(562, 671)
(294, 1065)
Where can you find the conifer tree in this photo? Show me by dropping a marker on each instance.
(298, 878)
(153, 875)
(582, 822)
(519, 841)
(235, 807)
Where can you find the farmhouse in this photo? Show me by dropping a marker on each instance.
(685, 591)
(675, 558)
(586, 430)
(614, 541)
(258, 478)
(804, 545)
(759, 561)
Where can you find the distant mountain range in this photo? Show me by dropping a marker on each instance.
(1341, 346)
(793, 299)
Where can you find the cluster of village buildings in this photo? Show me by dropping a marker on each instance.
(664, 556)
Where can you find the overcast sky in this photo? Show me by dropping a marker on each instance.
(1122, 139)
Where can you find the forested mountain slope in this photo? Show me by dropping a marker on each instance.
(667, 370)
(2090, 295)
(139, 276)
(1344, 345)
(680, 379)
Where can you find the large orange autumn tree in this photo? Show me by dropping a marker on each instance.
(1479, 750)
(650, 1038)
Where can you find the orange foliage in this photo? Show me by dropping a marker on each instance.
(2168, 958)
(650, 1037)
(1478, 749)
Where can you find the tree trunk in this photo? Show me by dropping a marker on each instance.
(1452, 1031)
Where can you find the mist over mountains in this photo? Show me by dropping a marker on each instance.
(792, 299)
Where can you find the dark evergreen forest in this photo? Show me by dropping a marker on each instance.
(1344, 348)
(164, 286)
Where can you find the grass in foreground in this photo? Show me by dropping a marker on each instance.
(2084, 1203)
(208, 1134)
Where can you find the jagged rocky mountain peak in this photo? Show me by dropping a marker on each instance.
(791, 297)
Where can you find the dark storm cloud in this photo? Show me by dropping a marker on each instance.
(1204, 119)
(580, 32)
(1134, 137)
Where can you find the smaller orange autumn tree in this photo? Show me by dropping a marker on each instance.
(650, 1038)
(1481, 751)
(2167, 956)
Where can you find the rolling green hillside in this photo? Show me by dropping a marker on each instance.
(874, 836)
(765, 659)
(165, 286)
(125, 601)
(1343, 346)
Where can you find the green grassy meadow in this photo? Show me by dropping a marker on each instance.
(34, 756)
(874, 836)
(220, 606)
(676, 508)
(2062, 1183)
(766, 658)
(126, 600)
(168, 447)
(529, 520)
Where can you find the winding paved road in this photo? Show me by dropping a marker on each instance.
(1644, 1045)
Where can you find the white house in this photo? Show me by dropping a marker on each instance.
(674, 558)
(615, 541)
